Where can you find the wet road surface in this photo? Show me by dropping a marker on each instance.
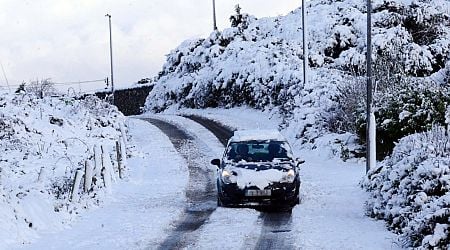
(200, 192)
(275, 233)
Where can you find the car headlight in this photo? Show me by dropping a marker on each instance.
(289, 176)
(228, 177)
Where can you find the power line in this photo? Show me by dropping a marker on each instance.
(65, 83)
(79, 82)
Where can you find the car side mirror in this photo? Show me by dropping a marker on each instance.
(216, 162)
(299, 162)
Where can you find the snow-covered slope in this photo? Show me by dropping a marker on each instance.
(43, 142)
(261, 59)
(258, 63)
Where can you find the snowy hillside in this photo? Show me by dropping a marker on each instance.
(43, 143)
(264, 56)
(258, 62)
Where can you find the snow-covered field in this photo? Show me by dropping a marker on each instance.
(141, 210)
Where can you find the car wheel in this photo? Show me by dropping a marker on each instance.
(297, 195)
(219, 202)
(297, 200)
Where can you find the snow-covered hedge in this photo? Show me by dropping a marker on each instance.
(403, 110)
(411, 189)
(43, 143)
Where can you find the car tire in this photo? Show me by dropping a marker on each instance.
(297, 194)
(297, 200)
(219, 202)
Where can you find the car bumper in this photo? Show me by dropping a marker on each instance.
(282, 194)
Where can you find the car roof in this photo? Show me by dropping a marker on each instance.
(257, 135)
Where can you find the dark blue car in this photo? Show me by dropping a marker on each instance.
(258, 170)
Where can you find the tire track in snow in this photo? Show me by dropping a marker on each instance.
(200, 192)
(275, 233)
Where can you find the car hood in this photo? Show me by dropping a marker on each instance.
(259, 175)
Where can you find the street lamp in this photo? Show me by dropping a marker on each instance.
(111, 57)
(214, 15)
(370, 116)
(305, 44)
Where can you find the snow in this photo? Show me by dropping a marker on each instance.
(259, 64)
(410, 189)
(45, 142)
(258, 135)
(139, 211)
(48, 141)
(260, 179)
(332, 210)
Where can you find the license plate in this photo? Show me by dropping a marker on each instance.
(267, 192)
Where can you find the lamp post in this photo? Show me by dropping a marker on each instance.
(214, 15)
(305, 44)
(6, 79)
(370, 117)
(111, 57)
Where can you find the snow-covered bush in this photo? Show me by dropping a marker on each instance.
(411, 189)
(43, 143)
(403, 104)
(406, 109)
(40, 89)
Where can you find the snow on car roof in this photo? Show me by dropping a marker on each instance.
(257, 135)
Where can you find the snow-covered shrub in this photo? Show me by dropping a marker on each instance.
(40, 88)
(403, 104)
(411, 189)
(43, 143)
(240, 20)
(349, 105)
(266, 79)
(406, 109)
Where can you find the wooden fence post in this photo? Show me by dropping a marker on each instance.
(119, 158)
(124, 134)
(97, 160)
(87, 176)
(76, 185)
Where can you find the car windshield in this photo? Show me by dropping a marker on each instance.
(258, 151)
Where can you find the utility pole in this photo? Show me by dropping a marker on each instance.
(370, 116)
(214, 15)
(305, 44)
(6, 79)
(111, 57)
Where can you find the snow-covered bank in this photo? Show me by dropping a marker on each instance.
(141, 209)
(411, 189)
(43, 143)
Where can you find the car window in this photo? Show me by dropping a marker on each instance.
(257, 151)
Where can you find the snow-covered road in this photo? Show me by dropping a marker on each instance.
(146, 209)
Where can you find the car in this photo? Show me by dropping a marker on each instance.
(258, 169)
